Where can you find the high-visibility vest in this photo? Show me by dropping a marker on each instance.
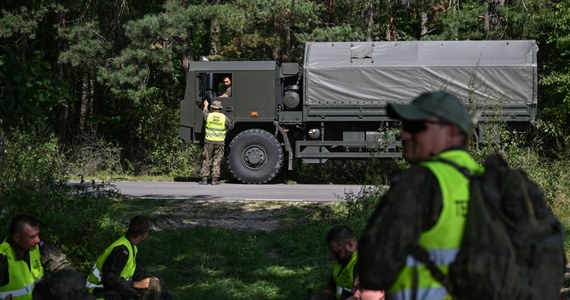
(443, 240)
(216, 127)
(94, 279)
(22, 278)
(343, 276)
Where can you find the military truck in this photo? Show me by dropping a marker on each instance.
(334, 106)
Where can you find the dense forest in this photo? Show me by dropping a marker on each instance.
(109, 74)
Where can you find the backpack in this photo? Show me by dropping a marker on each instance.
(512, 245)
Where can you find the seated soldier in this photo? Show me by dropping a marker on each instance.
(343, 246)
(24, 259)
(118, 272)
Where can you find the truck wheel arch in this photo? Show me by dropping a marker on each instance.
(255, 156)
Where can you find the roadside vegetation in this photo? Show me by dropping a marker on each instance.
(235, 250)
(90, 91)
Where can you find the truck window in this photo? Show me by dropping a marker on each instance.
(224, 84)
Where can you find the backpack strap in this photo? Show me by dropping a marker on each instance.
(422, 256)
(462, 170)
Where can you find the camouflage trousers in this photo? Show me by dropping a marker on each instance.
(212, 156)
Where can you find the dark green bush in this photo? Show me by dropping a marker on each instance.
(78, 221)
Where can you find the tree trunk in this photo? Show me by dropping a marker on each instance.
(332, 12)
(282, 30)
(215, 33)
(390, 31)
(491, 19)
(369, 20)
(62, 110)
(214, 37)
(86, 105)
(423, 24)
(187, 60)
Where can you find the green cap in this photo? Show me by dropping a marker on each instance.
(216, 105)
(439, 104)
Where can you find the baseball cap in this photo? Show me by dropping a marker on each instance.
(439, 104)
(217, 105)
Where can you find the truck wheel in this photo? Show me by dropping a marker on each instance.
(255, 156)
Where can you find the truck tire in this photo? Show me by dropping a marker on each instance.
(255, 156)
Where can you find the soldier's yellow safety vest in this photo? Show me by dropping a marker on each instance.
(22, 278)
(216, 127)
(343, 276)
(443, 240)
(94, 279)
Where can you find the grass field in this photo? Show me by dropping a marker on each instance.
(244, 250)
(237, 250)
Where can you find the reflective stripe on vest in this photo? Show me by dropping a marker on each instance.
(216, 127)
(95, 272)
(94, 279)
(443, 240)
(17, 294)
(343, 276)
(22, 278)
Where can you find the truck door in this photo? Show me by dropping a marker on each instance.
(225, 90)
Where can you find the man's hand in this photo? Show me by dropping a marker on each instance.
(142, 284)
(368, 295)
(206, 104)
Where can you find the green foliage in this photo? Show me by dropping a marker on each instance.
(361, 204)
(23, 21)
(52, 52)
(160, 150)
(550, 173)
(461, 24)
(30, 87)
(341, 33)
(92, 156)
(32, 182)
(556, 77)
(32, 159)
(269, 28)
(28, 90)
(86, 45)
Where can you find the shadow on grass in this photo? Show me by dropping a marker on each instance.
(205, 262)
(238, 259)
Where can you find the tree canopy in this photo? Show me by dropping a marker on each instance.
(116, 68)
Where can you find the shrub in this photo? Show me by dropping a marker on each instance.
(175, 159)
(32, 181)
(92, 155)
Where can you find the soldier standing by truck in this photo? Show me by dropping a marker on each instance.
(214, 142)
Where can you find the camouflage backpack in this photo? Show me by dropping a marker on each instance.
(512, 245)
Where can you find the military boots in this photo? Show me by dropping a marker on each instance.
(204, 181)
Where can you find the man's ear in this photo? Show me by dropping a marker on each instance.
(16, 237)
(352, 245)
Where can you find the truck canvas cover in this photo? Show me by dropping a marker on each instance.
(502, 73)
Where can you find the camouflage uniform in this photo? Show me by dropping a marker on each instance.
(213, 152)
